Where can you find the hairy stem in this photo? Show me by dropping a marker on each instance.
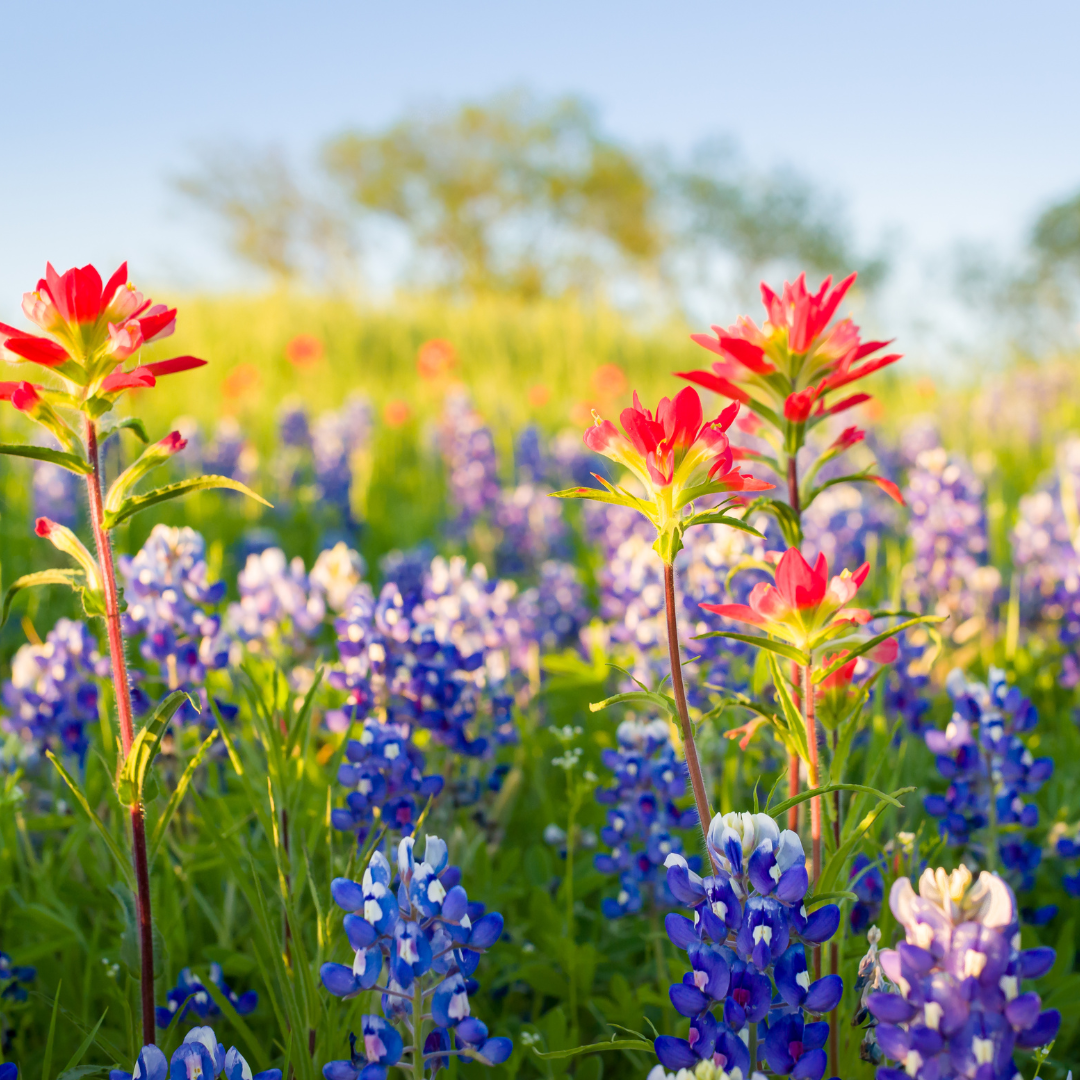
(693, 766)
(815, 802)
(834, 947)
(793, 758)
(127, 727)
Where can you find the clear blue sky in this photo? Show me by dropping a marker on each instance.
(940, 120)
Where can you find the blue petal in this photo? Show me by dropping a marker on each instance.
(822, 924)
(497, 1050)
(675, 1053)
(347, 894)
(824, 994)
(360, 932)
(486, 932)
(339, 979)
(688, 1000)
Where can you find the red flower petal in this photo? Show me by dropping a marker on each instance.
(177, 363)
(738, 612)
(136, 379)
(716, 383)
(888, 487)
(38, 350)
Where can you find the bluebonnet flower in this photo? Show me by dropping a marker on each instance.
(228, 453)
(14, 979)
(1044, 553)
(552, 612)
(468, 450)
(171, 606)
(9, 1071)
(960, 1005)
(293, 427)
(337, 438)
(384, 771)
(748, 932)
(531, 529)
(55, 494)
(336, 573)
(199, 1057)
(424, 940)
(191, 996)
(52, 693)
(905, 683)
(989, 769)
(949, 574)
(278, 606)
(648, 780)
(866, 879)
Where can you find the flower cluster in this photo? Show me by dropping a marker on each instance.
(750, 922)
(384, 773)
(171, 605)
(552, 613)
(990, 770)
(278, 607)
(642, 811)
(949, 571)
(190, 996)
(1044, 551)
(199, 1057)
(424, 940)
(468, 449)
(52, 693)
(14, 979)
(961, 1008)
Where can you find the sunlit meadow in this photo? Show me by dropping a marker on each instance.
(332, 744)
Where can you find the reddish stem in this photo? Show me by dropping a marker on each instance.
(127, 728)
(693, 767)
(793, 758)
(815, 802)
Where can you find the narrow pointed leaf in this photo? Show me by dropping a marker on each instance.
(866, 646)
(136, 503)
(71, 578)
(71, 462)
(596, 1048)
(144, 749)
(795, 800)
(130, 423)
(715, 518)
(177, 796)
(660, 701)
(121, 858)
(83, 1047)
(778, 647)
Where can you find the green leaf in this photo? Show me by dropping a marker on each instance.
(715, 517)
(787, 804)
(786, 518)
(70, 578)
(866, 646)
(46, 1063)
(136, 503)
(71, 462)
(254, 1046)
(121, 858)
(177, 796)
(795, 737)
(131, 423)
(779, 647)
(660, 701)
(815, 899)
(596, 1048)
(83, 1047)
(144, 749)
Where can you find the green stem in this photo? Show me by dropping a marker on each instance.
(418, 1031)
(571, 965)
(992, 823)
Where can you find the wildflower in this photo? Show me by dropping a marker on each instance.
(674, 456)
(805, 607)
(199, 1057)
(797, 359)
(429, 937)
(91, 329)
(304, 350)
(191, 996)
(958, 974)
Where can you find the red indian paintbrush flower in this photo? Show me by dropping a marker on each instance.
(798, 351)
(92, 327)
(805, 607)
(677, 457)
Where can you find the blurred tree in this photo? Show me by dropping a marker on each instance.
(271, 221)
(723, 210)
(526, 196)
(510, 195)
